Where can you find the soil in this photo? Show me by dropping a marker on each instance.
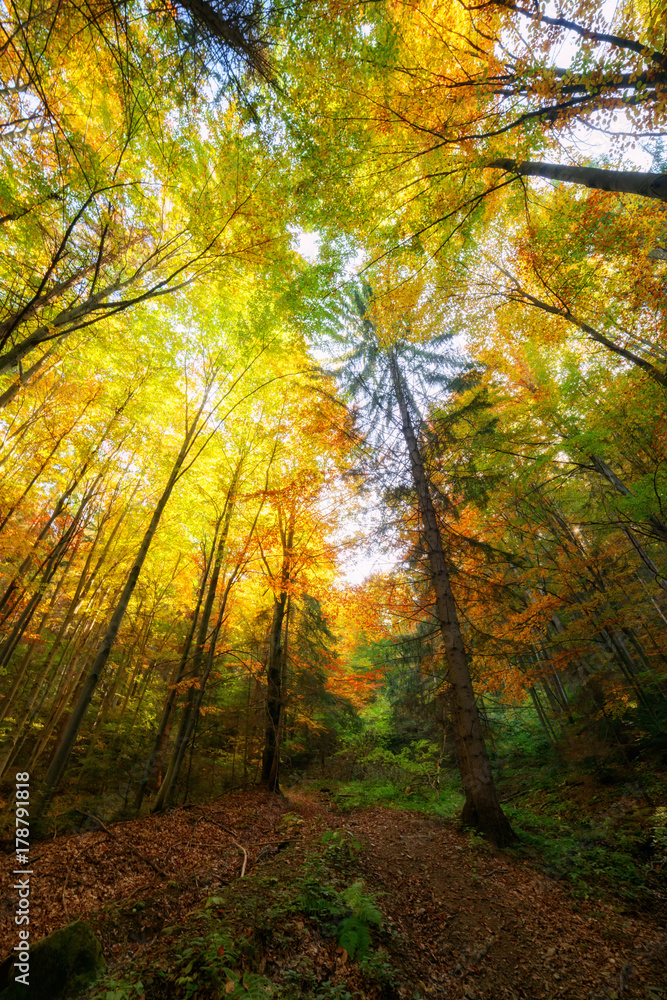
(462, 920)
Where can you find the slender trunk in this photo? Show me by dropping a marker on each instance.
(171, 697)
(274, 667)
(118, 678)
(60, 506)
(34, 479)
(145, 683)
(26, 376)
(71, 669)
(40, 690)
(482, 809)
(542, 716)
(190, 715)
(51, 567)
(188, 719)
(658, 527)
(271, 754)
(138, 650)
(524, 297)
(74, 605)
(246, 740)
(71, 731)
(27, 659)
(14, 583)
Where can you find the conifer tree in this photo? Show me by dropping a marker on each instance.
(384, 372)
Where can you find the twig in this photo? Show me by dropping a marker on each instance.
(207, 819)
(245, 857)
(147, 861)
(97, 820)
(267, 843)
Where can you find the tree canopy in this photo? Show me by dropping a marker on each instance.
(204, 424)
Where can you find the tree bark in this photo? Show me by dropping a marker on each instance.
(646, 185)
(171, 697)
(71, 730)
(274, 668)
(191, 713)
(192, 707)
(481, 809)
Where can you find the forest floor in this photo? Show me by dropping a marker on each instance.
(457, 920)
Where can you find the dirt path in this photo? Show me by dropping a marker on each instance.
(476, 924)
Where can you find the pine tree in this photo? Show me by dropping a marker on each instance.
(383, 372)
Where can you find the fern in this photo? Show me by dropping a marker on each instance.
(354, 936)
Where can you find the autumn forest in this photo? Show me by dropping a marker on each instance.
(333, 494)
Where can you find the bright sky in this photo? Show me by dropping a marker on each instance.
(307, 244)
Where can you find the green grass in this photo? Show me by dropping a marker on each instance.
(348, 795)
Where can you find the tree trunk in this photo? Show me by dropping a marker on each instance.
(481, 809)
(24, 377)
(191, 714)
(647, 185)
(524, 297)
(50, 568)
(658, 528)
(10, 705)
(274, 697)
(171, 697)
(191, 710)
(71, 731)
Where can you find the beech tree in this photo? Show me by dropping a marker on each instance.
(200, 427)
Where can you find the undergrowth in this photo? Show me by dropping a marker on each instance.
(255, 940)
(598, 825)
(348, 795)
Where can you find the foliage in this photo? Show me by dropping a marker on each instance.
(219, 950)
(166, 408)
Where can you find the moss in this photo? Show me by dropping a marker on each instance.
(61, 965)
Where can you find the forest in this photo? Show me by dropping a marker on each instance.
(333, 499)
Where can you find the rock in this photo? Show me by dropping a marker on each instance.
(61, 965)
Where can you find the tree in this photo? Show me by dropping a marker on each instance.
(376, 371)
(437, 100)
(558, 597)
(294, 548)
(199, 429)
(276, 653)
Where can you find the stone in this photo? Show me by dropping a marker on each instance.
(61, 965)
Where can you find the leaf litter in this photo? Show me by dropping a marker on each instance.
(461, 920)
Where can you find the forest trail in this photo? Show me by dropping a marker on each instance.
(461, 920)
(476, 923)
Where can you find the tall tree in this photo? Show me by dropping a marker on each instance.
(200, 427)
(376, 371)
